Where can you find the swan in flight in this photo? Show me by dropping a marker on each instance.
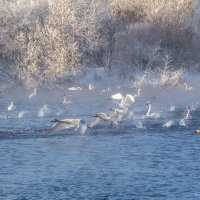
(33, 94)
(65, 102)
(10, 105)
(188, 88)
(124, 100)
(68, 123)
(108, 117)
(149, 114)
(74, 88)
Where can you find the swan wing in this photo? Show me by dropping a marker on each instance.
(95, 120)
(58, 126)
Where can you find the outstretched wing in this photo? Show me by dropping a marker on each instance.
(95, 120)
(58, 126)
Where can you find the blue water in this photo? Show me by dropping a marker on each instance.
(151, 162)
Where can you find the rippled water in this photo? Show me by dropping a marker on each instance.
(143, 160)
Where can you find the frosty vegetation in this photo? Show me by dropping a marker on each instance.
(44, 41)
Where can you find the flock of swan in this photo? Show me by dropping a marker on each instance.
(115, 115)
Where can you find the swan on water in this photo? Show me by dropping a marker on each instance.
(10, 105)
(183, 120)
(74, 88)
(68, 123)
(90, 87)
(33, 94)
(149, 114)
(188, 88)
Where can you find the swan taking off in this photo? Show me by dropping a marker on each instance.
(149, 114)
(74, 88)
(108, 117)
(10, 105)
(68, 123)
(33, 94)
(121, 113)
(125, 101)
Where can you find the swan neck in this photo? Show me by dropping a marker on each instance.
(149, 110)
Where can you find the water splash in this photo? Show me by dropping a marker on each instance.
(22, 114)
(168, 124)
(43, 111)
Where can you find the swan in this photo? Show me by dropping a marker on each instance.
(74, 88)
(108, 117)
(125, 100)
(188, 109)
(121, 113)
(33, 94)
(188, 88)
(183, 120)
(90, 87)
(138, 93)
(68, 123)
(149, 114)
(10, 105)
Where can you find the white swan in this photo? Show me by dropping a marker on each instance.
(10, 105)
(33, 94)
(149, 114)
(68, 123)
(74, 88)
(183, 120)
(188, 88)
(124, 100)
(138, 93)
(43, 111)
(90, 87)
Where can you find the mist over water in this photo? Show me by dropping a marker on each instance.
(147, 158)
